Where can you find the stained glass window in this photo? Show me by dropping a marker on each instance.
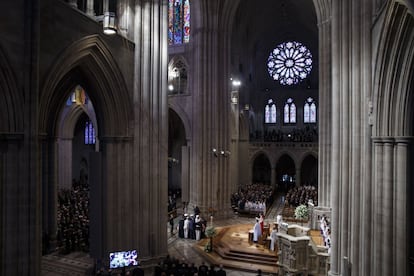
(178, 21)
(267, 114)
(89, 134)
(309, 111)
(289, 63)
(289, 112)
(78, 96)
(270, 112)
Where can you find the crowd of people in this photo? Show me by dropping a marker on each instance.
(301, 195)
(306, 134)
(191, 226)
(73, 218)
(172, 266)
(253, 198)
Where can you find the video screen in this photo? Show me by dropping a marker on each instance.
(123, 258)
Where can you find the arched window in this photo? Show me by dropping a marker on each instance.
(177, 77)
(270, 112)
(309, 111)
(289, 112)
(78, 96)
(89, 133)
(178, 21)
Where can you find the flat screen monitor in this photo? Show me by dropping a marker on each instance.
(123, 259)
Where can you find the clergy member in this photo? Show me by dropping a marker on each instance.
(256, 231)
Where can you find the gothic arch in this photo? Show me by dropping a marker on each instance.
(258, 153)
(394, 77)
(261, 170)
(306, 154)
(393, 127)
(11, 112)
(184, 118)
(87, 62)
(69, 121)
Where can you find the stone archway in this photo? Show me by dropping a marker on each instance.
(12, 178)
(178, 165)
(309, 171)
(89, 64)
(393, 130)
(286, 172)
(261, 169)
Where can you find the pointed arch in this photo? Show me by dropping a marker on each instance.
(89, 63)
(184, 118)
(11, 112)
(394, 76)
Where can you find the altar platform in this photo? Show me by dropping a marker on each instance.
(233, 249)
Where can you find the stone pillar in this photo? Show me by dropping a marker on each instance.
(185, 174)
(387, 208)
(150, 128)
(323, 10)
(298, 177)
(211, 128)
(378, 190)
(89, 8)
(402, 150)
(273, 177)
(351, 78)
(65, 163)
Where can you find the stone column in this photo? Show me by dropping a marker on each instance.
(185, 174)
(150, 127)
(89, 8)
(378, 190)
(273, 177)
(323, 11)
(211, 42)
(351, 71)
(383, 217)
(387, 209)
(65, 163)
(298, 176)
(402, 150)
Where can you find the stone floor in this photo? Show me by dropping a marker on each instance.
(182, 249)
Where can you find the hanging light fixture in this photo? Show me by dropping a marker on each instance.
(109, 23)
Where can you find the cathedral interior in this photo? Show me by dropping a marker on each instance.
(114, 105)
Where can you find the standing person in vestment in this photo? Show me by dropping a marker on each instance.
(273, 237)
(181, 227)
(198, 227)
(261, 222)
(256, 231)
(186, 227)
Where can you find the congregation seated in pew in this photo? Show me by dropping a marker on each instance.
(252, 198)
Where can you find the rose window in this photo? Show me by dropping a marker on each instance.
(289, 63)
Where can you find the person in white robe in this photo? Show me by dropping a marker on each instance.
(198, 227)
(186, 225)
(273, 238)
(256, 231)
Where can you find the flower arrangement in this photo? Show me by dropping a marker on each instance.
(210, 233)
(301, 212)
